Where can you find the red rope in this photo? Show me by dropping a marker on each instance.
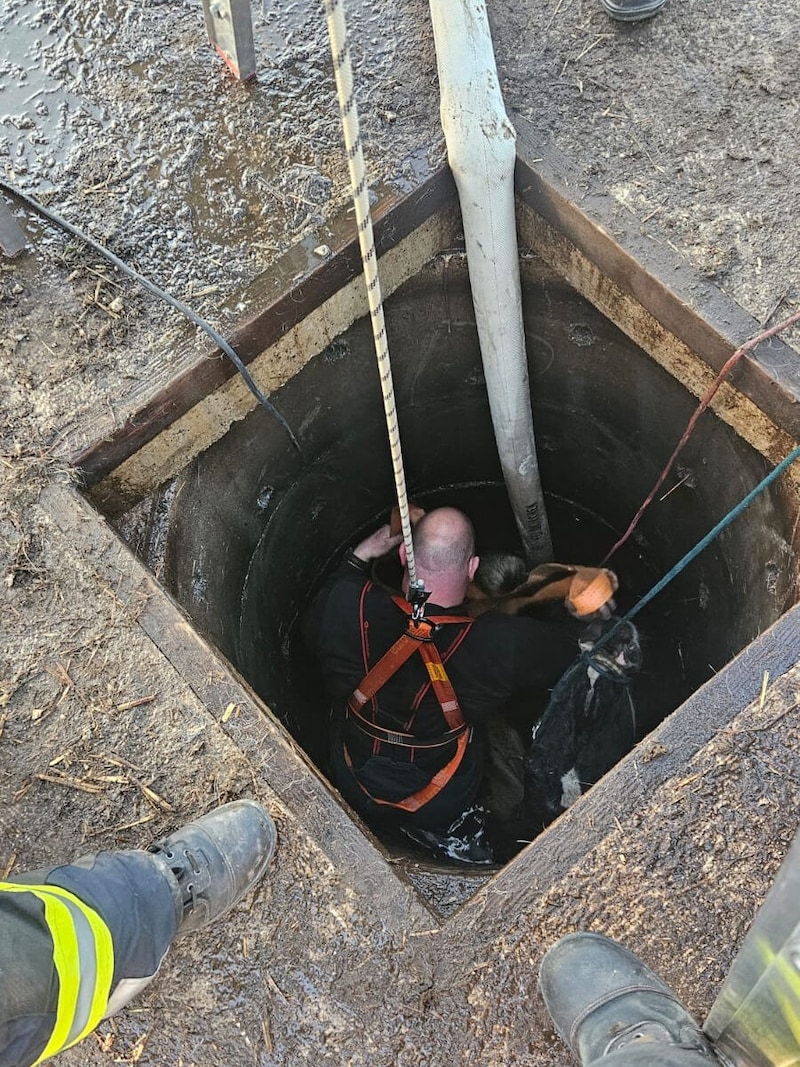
(748, 346)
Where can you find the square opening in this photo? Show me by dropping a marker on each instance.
(241, 529)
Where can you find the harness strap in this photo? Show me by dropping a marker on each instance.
(402, 738)
(389, 663)
(428, 792)
(441, 685)
(417, 638)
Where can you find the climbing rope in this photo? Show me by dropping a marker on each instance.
(717, 530)
(343, 71)
(162, 294)
(748, 346)
(701, 545)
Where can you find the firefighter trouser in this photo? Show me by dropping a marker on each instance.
(756, 1016)
(76, 942)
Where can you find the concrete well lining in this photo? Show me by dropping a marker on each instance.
(249, 542)
(223, 544)
(252, 528)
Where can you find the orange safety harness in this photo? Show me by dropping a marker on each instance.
(418, 637)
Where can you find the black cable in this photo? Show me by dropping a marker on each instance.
(162, 294)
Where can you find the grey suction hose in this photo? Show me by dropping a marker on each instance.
(481, 151)
(162, 294)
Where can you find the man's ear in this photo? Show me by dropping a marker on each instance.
(474, 563)
(401, 551)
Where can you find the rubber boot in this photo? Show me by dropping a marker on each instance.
(631, 10)
(611, 1009)
(214, 861)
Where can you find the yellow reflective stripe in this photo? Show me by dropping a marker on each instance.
(65, 957)
(62, 921)
(102, 949)
(103, 967)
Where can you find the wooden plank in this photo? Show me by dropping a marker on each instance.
(272, 752)
(691, 307)
(283, 296)
(209, 419)
(749, 422)
(694, 310)
(12, 239)
(277, 757)
(662, 755)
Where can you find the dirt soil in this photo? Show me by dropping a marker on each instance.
(121, 118)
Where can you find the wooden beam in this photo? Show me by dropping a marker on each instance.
(662, 756)
(283, 296)
(634, 278)
(273, 753)
(689, 306)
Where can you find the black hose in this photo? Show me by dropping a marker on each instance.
(161, 294)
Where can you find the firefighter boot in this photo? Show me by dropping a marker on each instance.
(612, 1009)
(212, 862)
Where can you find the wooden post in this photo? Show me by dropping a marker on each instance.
(229, 24)
(12, 239)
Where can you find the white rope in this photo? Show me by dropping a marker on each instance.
(343, 70)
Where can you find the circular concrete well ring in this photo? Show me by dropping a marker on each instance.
(253, 529)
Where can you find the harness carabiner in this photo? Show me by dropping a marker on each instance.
(417, 595)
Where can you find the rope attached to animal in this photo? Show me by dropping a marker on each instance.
(734, 513)
(732, 362)
(701, 545)
(565, 756)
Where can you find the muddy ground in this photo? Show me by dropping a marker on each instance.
(121, 118)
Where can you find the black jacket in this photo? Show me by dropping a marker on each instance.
(502, 658)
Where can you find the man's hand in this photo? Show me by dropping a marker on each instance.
(377, 544)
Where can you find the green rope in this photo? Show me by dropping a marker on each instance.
(734, 513)
(585, 659)
(701, 545)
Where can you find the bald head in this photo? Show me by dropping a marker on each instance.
(443, 541)
(444, 547)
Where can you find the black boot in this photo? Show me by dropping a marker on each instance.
(212, 862)
(632, 10)
(610, 1008)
